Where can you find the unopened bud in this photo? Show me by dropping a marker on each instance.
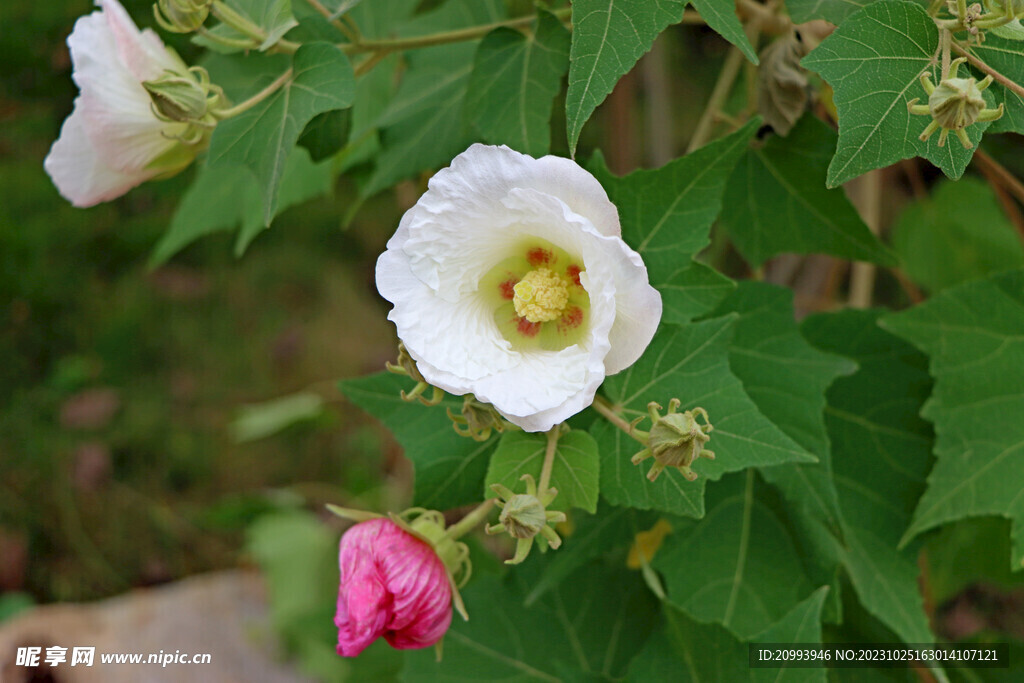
(181, 16)
(675, 440)
(523, 516)
(177, 98)
(956, 103)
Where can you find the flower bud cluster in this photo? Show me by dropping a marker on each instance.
(525, 516)
(954, 104)
(675, 440)
(181, 16)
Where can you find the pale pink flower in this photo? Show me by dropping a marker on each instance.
(511, 281)
(113, 141)
(392, 585)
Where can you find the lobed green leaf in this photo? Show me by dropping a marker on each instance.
(874, 62)
(450, 469)
(776, 201)
(608, 38)
(262, 138)
(574, 473)
(515, 80)
(974, 335)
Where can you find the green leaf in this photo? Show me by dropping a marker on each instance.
(450, 468)
(787, 378)
(881, 452)
(587, 629)
(974, 335)
(379, 18)
(574, 474)
(736, 567)
(298, 558)
(686, 651)
(452, 15)
(693, 291)
(263, 137)
(240, 76)
(608, 37)
(776, 201)
(326, 134)
(1012, 31)
(612, 528)
(1007, 57)
(959, 233)
(423, 126)
(221, 199)
(373, 93)
(667, 213)
(833, 11)
(691, 363)
(261, 420)
(274, 17)
(721, 16)
(514, 83)
(873, 62)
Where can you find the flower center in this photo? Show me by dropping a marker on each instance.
(538, 299)
(541, 296)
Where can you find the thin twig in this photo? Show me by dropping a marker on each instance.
(334, 21)
(602, 406)
(862, 275)
(257, 98)
(470, 33)
(549, 458)
(1005, 178)
(1003, 184)
(999, 78)
(726, 77)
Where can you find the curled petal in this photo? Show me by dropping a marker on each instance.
(393, 585)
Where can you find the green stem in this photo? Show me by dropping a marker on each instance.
(334, 21)
(470, 33)
(255, 99)
(945, 39)
(470, 521)
(364, 67)
(606, 410)
(549, 459)
(1000, 78)
(246, 44)
(246, 27)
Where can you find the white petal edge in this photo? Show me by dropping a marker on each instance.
(486, 173)
(141, 52)
(77, 171)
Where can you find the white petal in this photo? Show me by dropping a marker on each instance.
(484, 173)
(142, 52)
(116, 108)
(476, 214)
(459, 339)
(77, 171)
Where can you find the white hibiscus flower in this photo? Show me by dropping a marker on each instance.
(114, 140)
(510, 280)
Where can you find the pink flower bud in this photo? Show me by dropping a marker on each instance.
(392, 585)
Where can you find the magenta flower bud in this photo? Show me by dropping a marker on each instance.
(392, 585)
